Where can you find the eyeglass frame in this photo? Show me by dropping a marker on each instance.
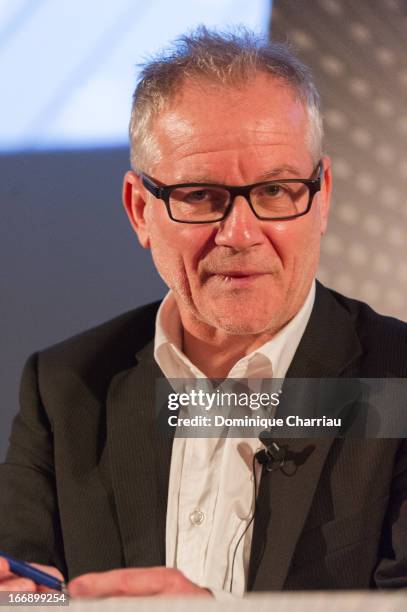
(163, 192)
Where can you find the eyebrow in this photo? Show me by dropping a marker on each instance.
(278, 172)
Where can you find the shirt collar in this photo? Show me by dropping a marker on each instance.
(272, 359)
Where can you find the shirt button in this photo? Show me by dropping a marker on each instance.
(197, 517)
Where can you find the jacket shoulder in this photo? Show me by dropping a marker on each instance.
(383, 338)
(97, 354)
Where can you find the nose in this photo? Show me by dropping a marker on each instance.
(241, 229)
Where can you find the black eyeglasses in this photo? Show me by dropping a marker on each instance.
(277, 200)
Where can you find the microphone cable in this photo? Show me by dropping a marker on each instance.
(250, 521)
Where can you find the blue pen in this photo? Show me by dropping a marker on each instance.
(21, 568)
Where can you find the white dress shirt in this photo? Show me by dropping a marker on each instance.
(211, 492)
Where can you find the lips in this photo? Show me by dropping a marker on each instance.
(237, 280)
(240, 273)
(238, 276)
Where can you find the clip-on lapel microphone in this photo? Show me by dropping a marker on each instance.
(272, 457)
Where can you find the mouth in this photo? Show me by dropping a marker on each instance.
(239, 279)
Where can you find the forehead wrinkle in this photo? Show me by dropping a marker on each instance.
(231, 142)
(176, 132)
(207, 171)
(208, 163)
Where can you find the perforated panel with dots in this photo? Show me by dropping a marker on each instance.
(358, 54)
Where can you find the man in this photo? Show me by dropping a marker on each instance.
(230, 191)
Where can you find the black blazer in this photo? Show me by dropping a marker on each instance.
(85, 482)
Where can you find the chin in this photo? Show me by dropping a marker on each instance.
(247, 324)
(240, 315)
(241, 329)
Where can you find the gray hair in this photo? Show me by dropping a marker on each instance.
(230, 58)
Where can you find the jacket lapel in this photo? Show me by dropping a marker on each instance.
(328, 349)
(140, 456)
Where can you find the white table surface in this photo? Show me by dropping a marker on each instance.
(352, 601)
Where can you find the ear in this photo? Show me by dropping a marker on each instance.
(134, 202)
(325, 193)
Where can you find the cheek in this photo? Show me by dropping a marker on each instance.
(167, 257)
(162, 243)
(296, 243)
(176, 249)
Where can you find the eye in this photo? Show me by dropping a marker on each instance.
(199, 195)
(273, 190)
(209, 196)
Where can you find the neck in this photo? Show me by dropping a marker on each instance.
(217, 354)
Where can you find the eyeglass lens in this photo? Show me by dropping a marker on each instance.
(269, 200)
